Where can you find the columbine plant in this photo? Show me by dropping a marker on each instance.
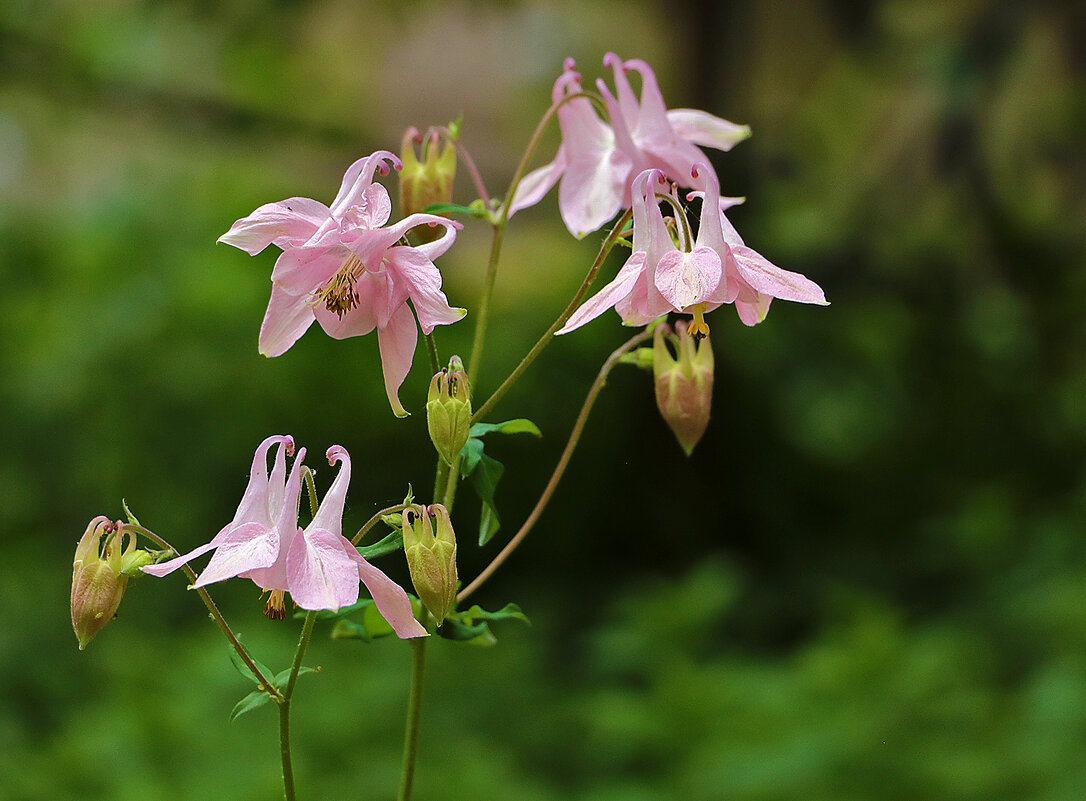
(345, 267)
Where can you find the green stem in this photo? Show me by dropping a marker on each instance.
(593, 271)
(435, 360)
(284, 706)
(411, 730)
(563, 462)
(373, 521)
(216, 615)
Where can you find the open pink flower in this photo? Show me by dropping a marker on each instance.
(343, 267)
(751, 280)
(318, 566)
(597, 162)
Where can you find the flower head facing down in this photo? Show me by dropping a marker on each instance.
(100, 574)
(342, 266)
(659, 277)
(674, 274)
(598, 161)
(317, 566)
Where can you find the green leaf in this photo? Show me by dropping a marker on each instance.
(281, 679)
(243, 669)
(470, 455)
(484, 480)
(131, 517)
(507, 612)
(520, 425)
(350, 630)
(472, 626)
(453, 629)
(393, 542)
(256, 698)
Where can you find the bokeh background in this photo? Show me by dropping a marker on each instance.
(869, 582)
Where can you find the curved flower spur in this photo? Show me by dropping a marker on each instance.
(341, 266)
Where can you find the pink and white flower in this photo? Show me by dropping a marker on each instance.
(318, 566)
(696, 277)
(598, 161)
(343, 267)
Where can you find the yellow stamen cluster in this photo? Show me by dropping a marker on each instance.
(275, 607)
(337, 293)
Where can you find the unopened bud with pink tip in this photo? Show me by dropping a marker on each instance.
(430, 546)
(684, 382)
(426, 180)
(100, 574)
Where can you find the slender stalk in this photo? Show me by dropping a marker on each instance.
(216, 615)
(563, 462)
(593, 271)
(373, 521)
(411, 729)
(284, 706)
(431, 348)
(462, 152)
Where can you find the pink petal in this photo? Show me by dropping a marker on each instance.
(287, 318)
(652, 121)
(592, 190)
(287, 223)
(244, 547)
(358, 178)
(329, 516)
(702, 128)
(768, 279)
(688, 278)
(391, 600)
(423, 283)
(254, 501)
(165, 568)
(538, 183)
(397, 342)
(611, 294)
(320, 572)
(301, 270)
(753, 310)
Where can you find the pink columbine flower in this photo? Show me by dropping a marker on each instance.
(597, 162)
(343, 267)
(318, 566)
(751, 281)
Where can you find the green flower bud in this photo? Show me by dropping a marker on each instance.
(448, 410)
(431, 558)
(684, 386)
(426, 180)
(100, 574)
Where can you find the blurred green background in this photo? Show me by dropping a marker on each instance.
(869, 582)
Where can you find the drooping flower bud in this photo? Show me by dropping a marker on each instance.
(100, 574)
(448, 410)
(431, 558)
(684, 385)
(427, 180)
